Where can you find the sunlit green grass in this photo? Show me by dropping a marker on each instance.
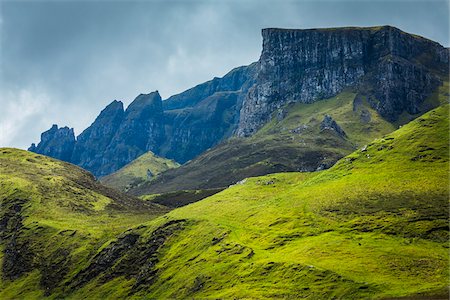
(375, 225)
(135, 172)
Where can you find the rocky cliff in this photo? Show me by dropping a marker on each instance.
(56, 142)
(393, 70)
(180, 127)
(396, 70)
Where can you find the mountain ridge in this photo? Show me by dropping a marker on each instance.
(395, 71)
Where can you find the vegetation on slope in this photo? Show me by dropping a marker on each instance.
(54, 217)
(373, 226)
(292, 141)
(142, 169)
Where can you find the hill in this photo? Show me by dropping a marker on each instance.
(140, 170)
(298, 138)
(375, 225)
(54, 217)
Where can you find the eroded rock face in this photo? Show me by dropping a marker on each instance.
(56, 142)
(180, 128)
(329, 124)
(97, 137)
(393, 70)
(397, 69)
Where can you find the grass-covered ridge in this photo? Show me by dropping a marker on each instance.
(375, 225)
(142, 169)
(54, 217)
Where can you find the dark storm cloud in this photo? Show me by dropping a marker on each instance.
(63, 61)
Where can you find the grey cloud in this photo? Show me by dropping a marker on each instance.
(62, 62)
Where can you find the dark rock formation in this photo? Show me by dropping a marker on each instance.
(56, 142)
(181, 127)
(393, 70)
(131, 255)
(141, 130)
(93, 141)
(399, 70)
(201, 117)
(329, 124)
(235, 80)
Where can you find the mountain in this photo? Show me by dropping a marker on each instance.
(307, 137)
(179, 128)
(348, 232)
(392, 70)
(56, 142)
(142, 169)
(396, 71)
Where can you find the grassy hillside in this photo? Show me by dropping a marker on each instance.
(294, 142)
(373, 226)
(54, 217)
(142, 169)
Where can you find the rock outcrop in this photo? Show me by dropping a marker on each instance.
(180, 127)
(93, 141)
(397, 70)
(329, 124)
(56, 142)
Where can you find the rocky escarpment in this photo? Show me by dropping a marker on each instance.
(395, 69)
(179, 128)
(56, 142)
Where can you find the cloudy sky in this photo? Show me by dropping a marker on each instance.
(63, 61)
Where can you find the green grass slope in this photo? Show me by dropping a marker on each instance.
(54, 217)
(373, 226)
(136, 172)
(293, 143)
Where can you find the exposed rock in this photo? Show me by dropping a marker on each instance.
(17, 255)
(299, 129)
(130, 255)
(93, 141)
(329, 124)
(141, 130)
(181, 127)
(240, 78)
(309, 65)
(56, 142)
(393, 70)
(365, 116)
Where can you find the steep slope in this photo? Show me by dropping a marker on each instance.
(179, 128)
(142, 169)
(54, 216)
(373, 226)
(56, 142)
(294, 140)
(394, 69)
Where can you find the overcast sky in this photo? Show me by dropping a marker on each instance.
(64, 61)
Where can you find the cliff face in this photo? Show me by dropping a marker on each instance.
(201, 117)
(393, 70)
(181, 127)
(93, 141)
(56, 142)
(396, 70)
